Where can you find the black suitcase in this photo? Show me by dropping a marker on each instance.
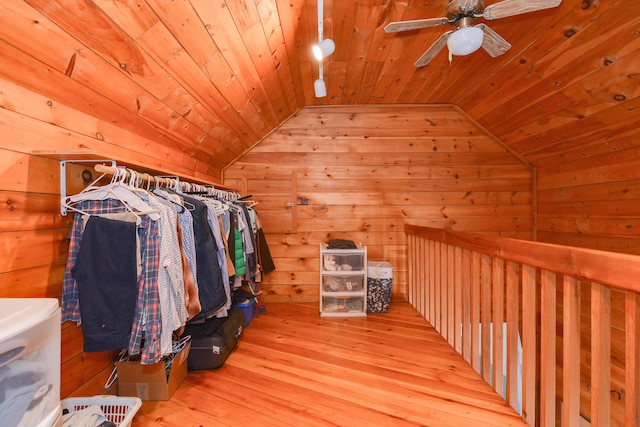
(213, 340)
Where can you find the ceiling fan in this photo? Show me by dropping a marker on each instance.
(466, 38)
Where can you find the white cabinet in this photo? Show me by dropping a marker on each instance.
(343, 281)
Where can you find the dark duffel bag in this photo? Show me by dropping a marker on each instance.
(213, 340)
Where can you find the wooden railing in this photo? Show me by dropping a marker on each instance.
(460, 282)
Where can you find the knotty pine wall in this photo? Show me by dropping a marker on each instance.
(362, 172)
(591, 198)
(33, 233)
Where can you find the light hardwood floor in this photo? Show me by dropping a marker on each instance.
(294, 368)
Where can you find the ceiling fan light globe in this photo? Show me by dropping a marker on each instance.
(466, 40)
(323, 49)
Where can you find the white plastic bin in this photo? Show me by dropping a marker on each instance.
(29, 362)
(379, 283)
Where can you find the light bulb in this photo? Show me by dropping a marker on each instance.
(464, 41)
(320, 88)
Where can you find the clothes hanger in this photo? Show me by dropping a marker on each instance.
(117, 189)
(212, 198)
(176, 187)
(203, 193)
(71, 201)
(160, 192)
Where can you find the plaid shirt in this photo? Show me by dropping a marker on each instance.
(147, 321)
(173, 311)
(147, 314)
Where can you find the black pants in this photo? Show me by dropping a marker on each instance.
(106, 273)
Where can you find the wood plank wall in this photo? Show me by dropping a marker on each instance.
(361, 172)
(33, 233)
(593, 199)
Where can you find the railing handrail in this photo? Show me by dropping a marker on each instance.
(618, 270)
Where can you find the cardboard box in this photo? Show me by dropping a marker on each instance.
(150, 382)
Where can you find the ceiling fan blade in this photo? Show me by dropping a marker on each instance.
(507, 8)
(417, 24)
(493, 42)
(433, 50)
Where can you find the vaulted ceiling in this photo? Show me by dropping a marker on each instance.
(218, 75)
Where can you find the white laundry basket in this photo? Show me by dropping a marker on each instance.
(117, 409)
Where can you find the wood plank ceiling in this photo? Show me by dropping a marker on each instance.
(215, 76)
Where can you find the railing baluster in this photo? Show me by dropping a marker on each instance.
(632, 359)
(497, 269)
(442, 283)
(475, 311)
(600, 355)
(437, 286)
(422, 256)
(444, 286)
(571, 353)
(458, 300)
(548, 348)
(466, 304)
(485, 316)
(413, 283)
(451, 309)
(529, 344)
(431, 294)
(513, 333)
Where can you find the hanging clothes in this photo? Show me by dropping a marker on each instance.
(240, 265)
(230, 230)
(231, 271)
(146, 321)
(264, 255)
(248, 241)
(187, 245)
(210, 283)
(173, 313)
(141, 265)
(192, 300)
(212, 216)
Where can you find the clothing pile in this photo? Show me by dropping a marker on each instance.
(144, 262)
(87, 417)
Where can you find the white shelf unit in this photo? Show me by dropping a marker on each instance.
(343, 282)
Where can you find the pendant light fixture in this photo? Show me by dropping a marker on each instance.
(321, 50)
(466, 39)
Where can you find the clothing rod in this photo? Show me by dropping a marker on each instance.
(157, 180)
